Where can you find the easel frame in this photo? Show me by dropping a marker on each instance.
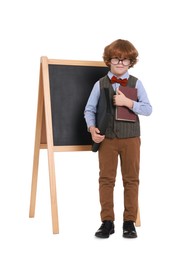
(44, 137)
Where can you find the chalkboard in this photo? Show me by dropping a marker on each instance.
(70, 87)
(64, 88)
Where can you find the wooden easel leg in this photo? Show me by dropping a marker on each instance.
(49, 137)
(34, 183)
(138, 220)
(36, 148)
(53, 193)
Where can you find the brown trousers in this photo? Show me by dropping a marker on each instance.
(129, 151)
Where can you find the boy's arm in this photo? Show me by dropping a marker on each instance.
(142, 106)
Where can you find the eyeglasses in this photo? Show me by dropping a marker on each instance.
(116, 61)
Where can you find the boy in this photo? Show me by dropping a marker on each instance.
(121, 138)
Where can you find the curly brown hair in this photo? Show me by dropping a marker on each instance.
(120, 49)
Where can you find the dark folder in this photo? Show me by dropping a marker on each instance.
(124, 113)
(102, 124)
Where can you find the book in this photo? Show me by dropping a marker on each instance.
(124, 113)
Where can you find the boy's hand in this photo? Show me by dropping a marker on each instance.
(121, 100)
(96, 136)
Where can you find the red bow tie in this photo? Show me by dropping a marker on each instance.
(122, 82)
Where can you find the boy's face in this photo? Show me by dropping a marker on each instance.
(120, 68)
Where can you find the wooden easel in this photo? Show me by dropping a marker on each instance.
(44, 138)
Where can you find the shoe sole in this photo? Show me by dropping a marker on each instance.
(99, 236)
(129, 236)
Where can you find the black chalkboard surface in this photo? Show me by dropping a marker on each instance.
(70, 87)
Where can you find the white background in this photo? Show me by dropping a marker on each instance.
(79, 30)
